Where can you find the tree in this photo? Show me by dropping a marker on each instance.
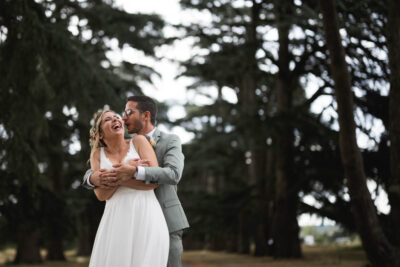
(289, 133)
(393, 42)
(377, 247)
(55, 75)
(270, 101)
(285, 227)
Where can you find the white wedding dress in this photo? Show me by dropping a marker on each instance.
(133, 231)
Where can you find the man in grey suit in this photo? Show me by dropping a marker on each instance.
(139, 117)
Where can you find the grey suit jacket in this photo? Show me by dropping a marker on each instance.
(170, 158)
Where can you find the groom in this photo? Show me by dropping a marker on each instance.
(139, 117)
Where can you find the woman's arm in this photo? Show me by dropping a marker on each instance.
(139, 185)
(145, 151)
(102, 194)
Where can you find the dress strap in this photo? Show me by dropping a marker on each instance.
(102, 155)
(131, 146)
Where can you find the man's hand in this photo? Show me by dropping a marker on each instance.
(104, 178)
(139, 162)
(123, 172)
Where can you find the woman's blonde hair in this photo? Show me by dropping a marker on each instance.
(95, 131)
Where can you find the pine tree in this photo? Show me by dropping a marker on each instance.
(379, 251)
(55, 75)
(306, 143)
(393, 42)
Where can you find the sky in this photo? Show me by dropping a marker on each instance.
(166, 88)
(173, 91)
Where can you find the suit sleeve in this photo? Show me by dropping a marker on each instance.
(86, 178)
(173, 160)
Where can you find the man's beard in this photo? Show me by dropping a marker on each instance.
(137, 127)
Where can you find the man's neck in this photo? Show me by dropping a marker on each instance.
(147, 130)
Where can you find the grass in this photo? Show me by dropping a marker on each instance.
(7, 255)
(326, 256)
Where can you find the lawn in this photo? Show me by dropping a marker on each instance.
(326, 256)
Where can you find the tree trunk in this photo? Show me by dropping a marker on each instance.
(84, 237)
(56, 219)
(243, 240)
(261, 202)
(270, 190)
(285, 226)
(253, 227)
(379, 250)
(393, 40)
(231, 243)
(28, 250)
(55, 250)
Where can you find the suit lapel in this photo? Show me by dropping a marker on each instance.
(156, 138)
(156, 135)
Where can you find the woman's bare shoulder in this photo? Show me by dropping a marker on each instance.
(137, 139)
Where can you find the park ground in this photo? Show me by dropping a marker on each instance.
(326, 256)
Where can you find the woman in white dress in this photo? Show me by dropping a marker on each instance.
(133, 231)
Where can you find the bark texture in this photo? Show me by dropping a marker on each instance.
(28, 250)
(379, 250)
(393, 37)
(285, 227)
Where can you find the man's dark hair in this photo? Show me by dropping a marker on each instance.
(145, 103)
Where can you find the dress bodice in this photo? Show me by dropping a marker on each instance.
(105, 163)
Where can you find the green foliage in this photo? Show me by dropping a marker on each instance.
(225, 63)
(55, 75)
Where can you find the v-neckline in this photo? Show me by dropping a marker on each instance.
(127, 153)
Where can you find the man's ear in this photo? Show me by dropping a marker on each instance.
(148, 115)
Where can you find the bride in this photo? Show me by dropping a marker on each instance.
(133, 230)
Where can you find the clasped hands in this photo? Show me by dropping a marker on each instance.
(110, 178)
